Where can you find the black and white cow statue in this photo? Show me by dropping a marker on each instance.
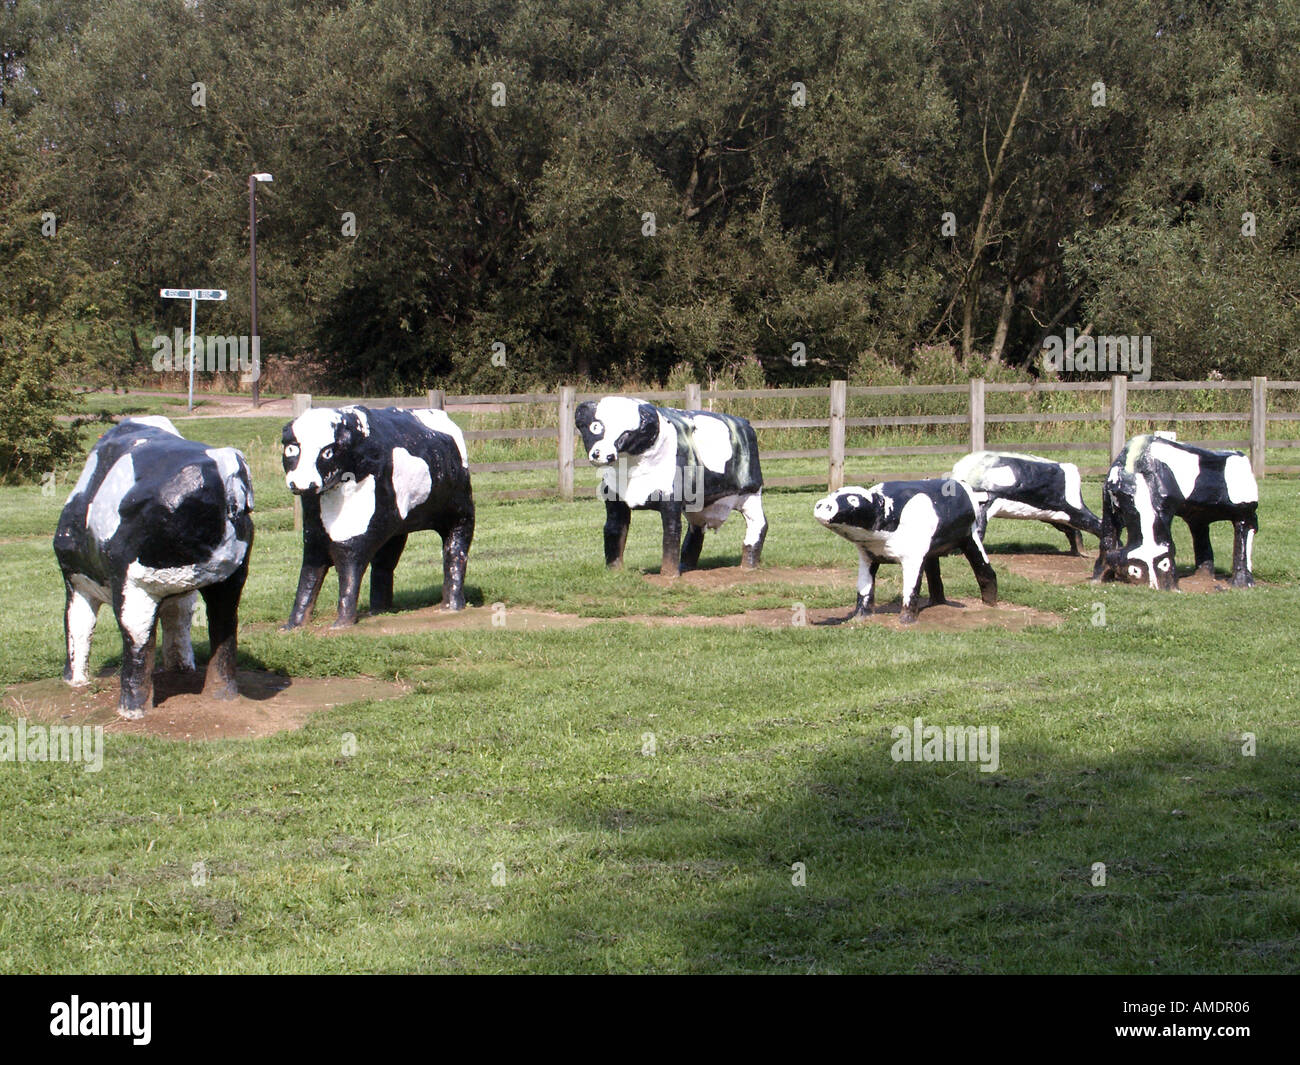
(154, 522)
(913, 523)
(369, 478)
(1009, 485)
(1155, 479)
(692, 465)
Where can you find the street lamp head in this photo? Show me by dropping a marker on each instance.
(262, 177)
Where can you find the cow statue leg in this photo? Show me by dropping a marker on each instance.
(934, 581)
(1202, 551)
(315, 564)
(455, 557)
(1109, 546)
(755, 529)
(691, 546)
(913, 568)
(1243, 544)
(671, 512)
(985, 576)
(351, 570)
(79, 626)
(1072, 535)
(222, 603)
(137, 617)
(381, 574)
(618, 516)
(175, 616)
(868, 564)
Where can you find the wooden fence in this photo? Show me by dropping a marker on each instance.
(837, 424)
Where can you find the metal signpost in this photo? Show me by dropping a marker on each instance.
(193, 295)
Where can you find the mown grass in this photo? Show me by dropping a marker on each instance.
(504, 818)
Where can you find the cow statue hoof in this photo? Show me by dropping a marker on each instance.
(367, 479)
(913, 523)
(694, 467)
(153, 522)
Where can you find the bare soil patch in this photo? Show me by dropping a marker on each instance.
(1056, 567)
(719, 577)
(268, 703)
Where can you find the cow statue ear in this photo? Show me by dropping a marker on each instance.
(585, 414)
(649, 421)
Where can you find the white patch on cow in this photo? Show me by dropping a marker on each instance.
(346, 509)
(86, 474)
(1239, 480)
(651, 474)
(998, 477)
(1073, 485)
(158, 421)
(866, 582)
(103, 516)
(1250, 550)
(751, 508)
(175, 617)
(712, 441)
(412, 481)
(139, 613)
(314, 430)
(1148, 549)
(230, 464)
(1011, 508)
(362, 418)
(439, 422)
(83, 611)
(1182, 464)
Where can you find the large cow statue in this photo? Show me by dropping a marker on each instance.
(1009, 485)
(1155, 479)
(692, 465)
(369, 478)
(153, 522)
(913, 523)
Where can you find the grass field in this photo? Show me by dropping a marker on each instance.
(506, 817)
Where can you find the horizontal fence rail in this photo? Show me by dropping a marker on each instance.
(1121, 419)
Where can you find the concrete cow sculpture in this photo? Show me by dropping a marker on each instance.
(1009, 485)
(913, 523)
(369, 478)
(1155, 479)
(153, 522)
(692, 465)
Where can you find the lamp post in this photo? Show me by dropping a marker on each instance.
(255, 341)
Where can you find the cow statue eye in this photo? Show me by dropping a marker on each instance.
(855, 501)
(327, 453)
(1135, 572)
(596, 428)
(291, 451)
(1163, 565)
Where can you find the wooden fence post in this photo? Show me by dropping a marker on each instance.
(977, 414)
(693, 400)
(301, 405)
(1118, 414)
(1258, 424)
(437, 399)
(568, 402)
(839, 396)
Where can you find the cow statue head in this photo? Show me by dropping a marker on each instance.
(1148, 554)
(616, 426)
(320, 449)
(852, 508)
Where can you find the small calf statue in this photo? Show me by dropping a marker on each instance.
(1008, 485)
(153, 522)
(912, 523)
(695, 465)
(1154, 480)
(369, 478)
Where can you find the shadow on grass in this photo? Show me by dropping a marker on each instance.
(932, 867)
